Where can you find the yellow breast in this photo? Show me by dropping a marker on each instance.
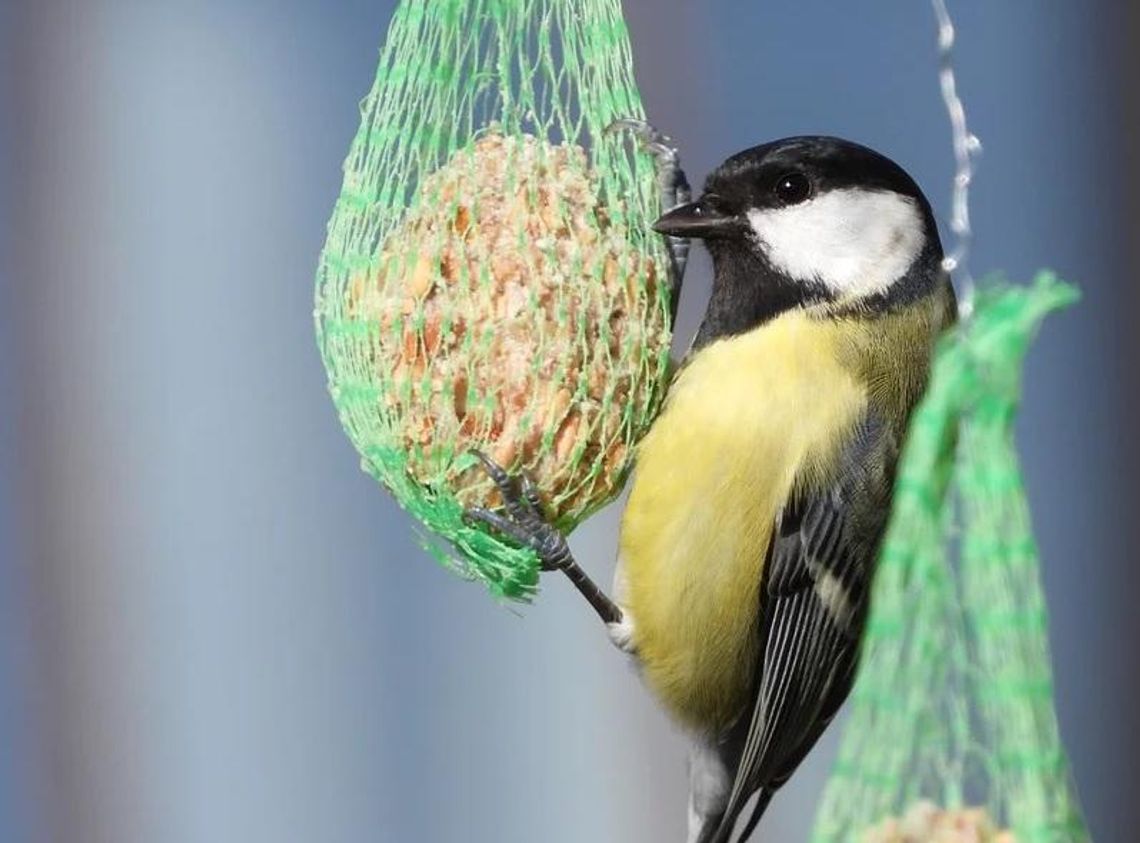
(748, 420)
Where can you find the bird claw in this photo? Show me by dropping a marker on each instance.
(674, 185)
(675, 190)
(651, 139)
(524, 522)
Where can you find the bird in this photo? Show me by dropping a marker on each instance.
(761, 493)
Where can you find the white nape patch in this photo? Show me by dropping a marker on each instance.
(856, 242)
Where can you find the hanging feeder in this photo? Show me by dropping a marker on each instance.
(490, 280)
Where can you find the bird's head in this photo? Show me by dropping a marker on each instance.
(809, 220)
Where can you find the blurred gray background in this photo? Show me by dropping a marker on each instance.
(214, 627)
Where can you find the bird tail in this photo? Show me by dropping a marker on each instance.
(722, 832)
(757, 812)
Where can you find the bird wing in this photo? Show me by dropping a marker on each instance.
(814, 601)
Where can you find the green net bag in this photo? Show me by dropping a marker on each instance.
(952, 736)
(490, 280)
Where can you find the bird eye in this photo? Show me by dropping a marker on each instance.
(792, 188)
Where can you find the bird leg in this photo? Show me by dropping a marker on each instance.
(675, 191)
(525, 522)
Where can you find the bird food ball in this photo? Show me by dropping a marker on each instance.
(513, 314)
(925, 822)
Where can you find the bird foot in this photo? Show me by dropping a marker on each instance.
(524, 520)
(674, 186)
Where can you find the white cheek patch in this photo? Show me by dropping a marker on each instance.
(855, 242)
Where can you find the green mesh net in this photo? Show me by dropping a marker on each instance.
(490, 279)
(953, 734)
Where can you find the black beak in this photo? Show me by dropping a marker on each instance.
(699, 219)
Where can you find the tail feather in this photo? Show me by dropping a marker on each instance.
(757, 812)
(722, 832)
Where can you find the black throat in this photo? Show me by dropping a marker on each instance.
(747, 292)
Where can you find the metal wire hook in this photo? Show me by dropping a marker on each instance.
(966, 148)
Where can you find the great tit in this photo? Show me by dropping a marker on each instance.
(761, 493)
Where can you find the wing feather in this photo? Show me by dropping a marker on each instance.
(814, 601)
